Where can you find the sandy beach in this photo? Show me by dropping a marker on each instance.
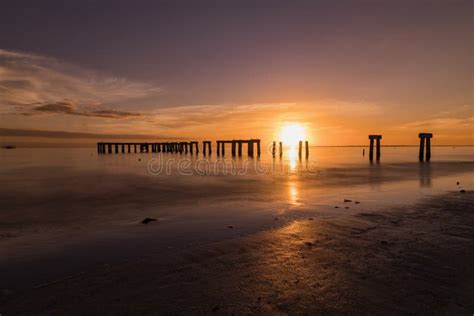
(413, 259)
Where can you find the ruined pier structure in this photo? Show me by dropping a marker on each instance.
(423, 137)
(180, 147)
(377, 138)
(167, 147)
(236, 147)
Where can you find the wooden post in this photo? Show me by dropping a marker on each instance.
(300, 148)
(223, 148)
(240, 148)
(116, 148)
(306, 149)
(128, 148)
(258, 148)
(218, 148)
(378, 148)
(428, 148)
(281, 149)
(135, 146)
(250, 148)
(371, 149)
(422, 148)
(234, 144)
(273, 149)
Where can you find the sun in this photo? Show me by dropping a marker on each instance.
(291, 134)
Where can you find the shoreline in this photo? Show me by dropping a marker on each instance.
(410, 259)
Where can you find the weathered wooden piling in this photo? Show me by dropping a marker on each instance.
(250, 148)
(281, 149)
(422, 137)
(300, 148)
(273, 149)
(206, 147)
(377, 138)
(234, 145)
(306, 146)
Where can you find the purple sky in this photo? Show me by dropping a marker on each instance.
(408, 60)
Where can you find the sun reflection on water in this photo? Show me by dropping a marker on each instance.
(293, 193)
(292, 158)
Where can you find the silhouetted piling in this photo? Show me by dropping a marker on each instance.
(422, 137)
(274, 149)
(377, 138)
(281, 149)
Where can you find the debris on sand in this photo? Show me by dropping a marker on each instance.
(347, 201)
(147, 220)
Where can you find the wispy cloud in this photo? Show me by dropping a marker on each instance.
(440, 123)
(32, 84)
(70, 107)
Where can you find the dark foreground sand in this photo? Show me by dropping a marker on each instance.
(410, 260)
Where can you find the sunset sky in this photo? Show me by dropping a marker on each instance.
(239, 69)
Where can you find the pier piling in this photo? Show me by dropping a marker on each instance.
(422, 137)
(377, 138)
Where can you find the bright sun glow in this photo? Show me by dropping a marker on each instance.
(291, 134)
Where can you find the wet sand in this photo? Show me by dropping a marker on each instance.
(413, 259)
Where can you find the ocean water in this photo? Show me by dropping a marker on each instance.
(75, 209)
